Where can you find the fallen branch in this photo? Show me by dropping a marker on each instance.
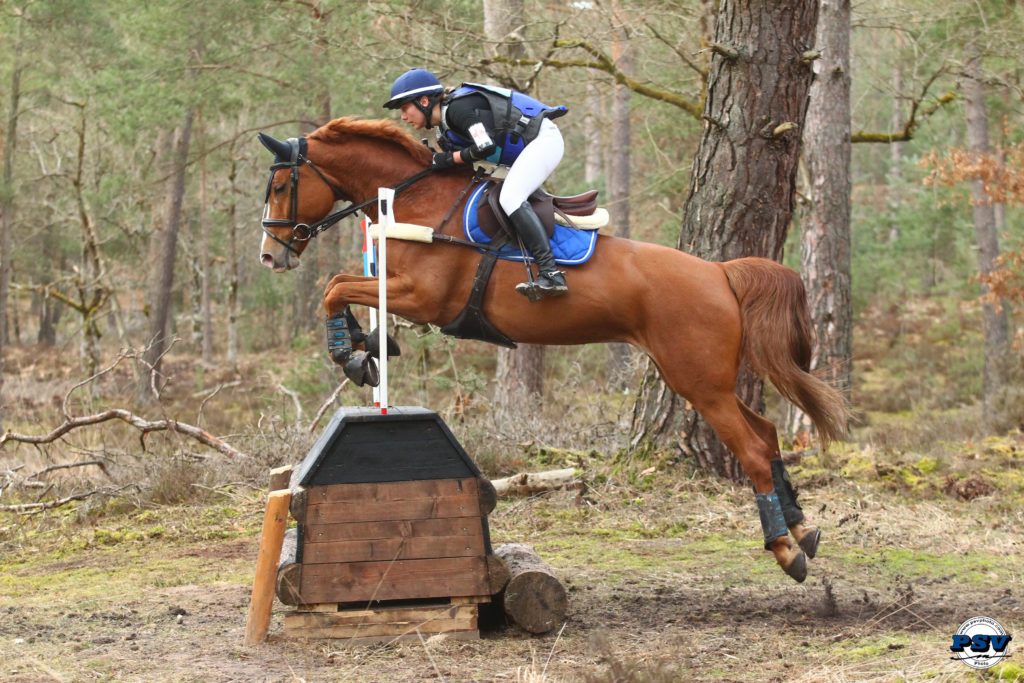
(529, 484)
(32, 508)
(143, 425)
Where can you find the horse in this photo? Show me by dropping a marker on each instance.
(696, 319)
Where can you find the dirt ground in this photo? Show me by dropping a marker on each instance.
(666, 578)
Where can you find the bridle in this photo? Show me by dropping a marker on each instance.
(303, 232)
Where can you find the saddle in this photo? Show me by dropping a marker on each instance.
(494, 222)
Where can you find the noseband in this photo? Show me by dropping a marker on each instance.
(303, 232)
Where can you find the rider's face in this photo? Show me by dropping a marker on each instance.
(413, 116)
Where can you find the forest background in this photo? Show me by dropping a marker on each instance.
(132, 186)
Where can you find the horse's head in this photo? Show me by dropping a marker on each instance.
(292, 207)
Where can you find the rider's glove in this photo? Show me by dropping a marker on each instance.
(442, 160)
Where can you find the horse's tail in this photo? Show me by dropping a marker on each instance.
(777, 339)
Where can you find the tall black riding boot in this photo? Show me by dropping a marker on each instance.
(550, 281)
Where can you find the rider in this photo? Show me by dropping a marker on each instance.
(481, 122)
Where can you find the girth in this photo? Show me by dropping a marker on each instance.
(471, 322)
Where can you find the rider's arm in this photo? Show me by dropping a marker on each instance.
(464, 113)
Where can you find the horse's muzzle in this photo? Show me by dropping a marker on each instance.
(279, 262)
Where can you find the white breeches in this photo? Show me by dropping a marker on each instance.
(535, 163)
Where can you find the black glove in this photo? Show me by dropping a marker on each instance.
(442, 160)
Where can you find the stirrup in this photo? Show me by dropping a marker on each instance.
(549, 284)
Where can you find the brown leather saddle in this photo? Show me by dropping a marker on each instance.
(494, 222)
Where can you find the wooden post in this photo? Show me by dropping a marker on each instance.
(280, 477)
(262, 600)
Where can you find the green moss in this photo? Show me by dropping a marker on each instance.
(974, 568)
(1008, 671)
(873, 647)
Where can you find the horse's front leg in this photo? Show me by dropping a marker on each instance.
(343, 332)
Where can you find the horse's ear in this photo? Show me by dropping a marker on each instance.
(281, 150)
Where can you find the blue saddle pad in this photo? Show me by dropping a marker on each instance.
(571, 246)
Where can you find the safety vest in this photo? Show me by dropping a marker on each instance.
(517, 119)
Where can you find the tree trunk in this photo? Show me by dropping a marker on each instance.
(825, 253)
(742, 184)
(592, 133)
(161, 313)
(618, 368)
(994, 316)
(234, 266)
(896, 148)
(203, 239)
(520, 372)
(9, 143)
(92, 293)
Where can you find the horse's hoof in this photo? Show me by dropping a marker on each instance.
(809, 542)
(797, 569)
(340, 356)
(362, 370)
(373, 345)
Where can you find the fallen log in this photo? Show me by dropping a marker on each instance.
(533, 598)
(289, 572)
(532, 483)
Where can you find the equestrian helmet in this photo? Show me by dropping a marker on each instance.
(411, 85)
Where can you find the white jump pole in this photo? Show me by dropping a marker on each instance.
(385, 205)
(369, 263)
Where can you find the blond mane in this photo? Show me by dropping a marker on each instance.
(375, 128)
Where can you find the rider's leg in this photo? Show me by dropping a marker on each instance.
(536, 162)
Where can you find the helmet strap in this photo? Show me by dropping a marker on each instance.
(427, 111)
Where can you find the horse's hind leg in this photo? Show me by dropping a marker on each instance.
(721, 410)
(806, 535)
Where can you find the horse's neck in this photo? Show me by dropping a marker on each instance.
(361, 168)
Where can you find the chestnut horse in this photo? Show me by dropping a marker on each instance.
(696, 319)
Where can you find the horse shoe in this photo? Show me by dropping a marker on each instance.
(362, 370)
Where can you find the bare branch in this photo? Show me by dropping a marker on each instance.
(143, 425)
(295, 400)
(327, 404)
(916, 115)
(46, 470)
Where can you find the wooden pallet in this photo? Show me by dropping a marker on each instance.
(386, 622)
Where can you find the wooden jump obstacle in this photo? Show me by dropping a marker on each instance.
(392, 538)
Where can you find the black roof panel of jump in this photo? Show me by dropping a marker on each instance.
(360, 445)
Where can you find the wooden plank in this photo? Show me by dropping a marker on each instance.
(356, 531)
(403, 579)
(471, 600)
(409, 548)
(318, 607)
(389, 614)
(463, 505)
(393, 490)
(389, 640)
(393, 622)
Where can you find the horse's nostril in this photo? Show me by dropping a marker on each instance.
(267, 260)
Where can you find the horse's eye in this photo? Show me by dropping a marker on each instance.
(279, 188)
